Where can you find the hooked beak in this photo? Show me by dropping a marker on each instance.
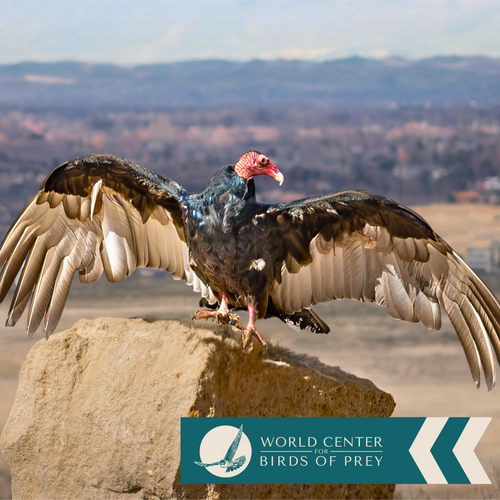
(279, 177)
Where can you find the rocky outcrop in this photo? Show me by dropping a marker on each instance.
(98, 407)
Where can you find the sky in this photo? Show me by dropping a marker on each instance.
(130, 32)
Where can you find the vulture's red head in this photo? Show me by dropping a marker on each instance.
(254, 163)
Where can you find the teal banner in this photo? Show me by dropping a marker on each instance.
(331, 450)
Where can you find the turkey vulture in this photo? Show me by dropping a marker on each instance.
(103, 213)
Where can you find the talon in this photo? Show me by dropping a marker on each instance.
(204, 315)
(231, 319)
(222, 319)
(237, 325)
(259, 338)
(250, 331)
(221, 315)
(246, 338)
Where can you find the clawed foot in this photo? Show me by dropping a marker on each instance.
(246, 338)
(222, 319)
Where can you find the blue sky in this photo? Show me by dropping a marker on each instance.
(136, 32)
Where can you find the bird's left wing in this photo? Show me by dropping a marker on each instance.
(353, 245)
(234, 445)
(92, 214)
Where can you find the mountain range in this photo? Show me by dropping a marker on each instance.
(439, 80)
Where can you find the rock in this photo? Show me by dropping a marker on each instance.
(98, 407)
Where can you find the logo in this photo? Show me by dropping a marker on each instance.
(225, 451)
(412, 450)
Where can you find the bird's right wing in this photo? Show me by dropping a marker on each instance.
(234, 445)
(92, 214)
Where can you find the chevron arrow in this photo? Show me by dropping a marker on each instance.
(463, 450)
(420, 450)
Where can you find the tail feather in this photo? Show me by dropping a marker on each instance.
(306, 319)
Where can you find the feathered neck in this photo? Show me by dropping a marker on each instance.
(227, 181)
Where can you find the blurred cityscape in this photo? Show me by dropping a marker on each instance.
(417, 152)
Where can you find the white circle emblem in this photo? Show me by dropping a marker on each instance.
(224, 452)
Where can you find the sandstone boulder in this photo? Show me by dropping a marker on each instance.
(98, 409)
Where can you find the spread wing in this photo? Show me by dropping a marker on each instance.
(353, 245)
(237, 463)
(92, 214)
(234, 445)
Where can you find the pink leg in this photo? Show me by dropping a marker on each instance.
(250, 330)
(224, 307)
(251, 314)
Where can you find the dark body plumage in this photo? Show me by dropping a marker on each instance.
(224, 242)
(100, 213)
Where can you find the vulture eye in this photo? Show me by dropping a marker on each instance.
(263, 160)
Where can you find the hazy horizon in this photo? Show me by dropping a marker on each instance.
(242, 61)
(154, 31)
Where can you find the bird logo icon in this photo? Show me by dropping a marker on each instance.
(228, 462)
